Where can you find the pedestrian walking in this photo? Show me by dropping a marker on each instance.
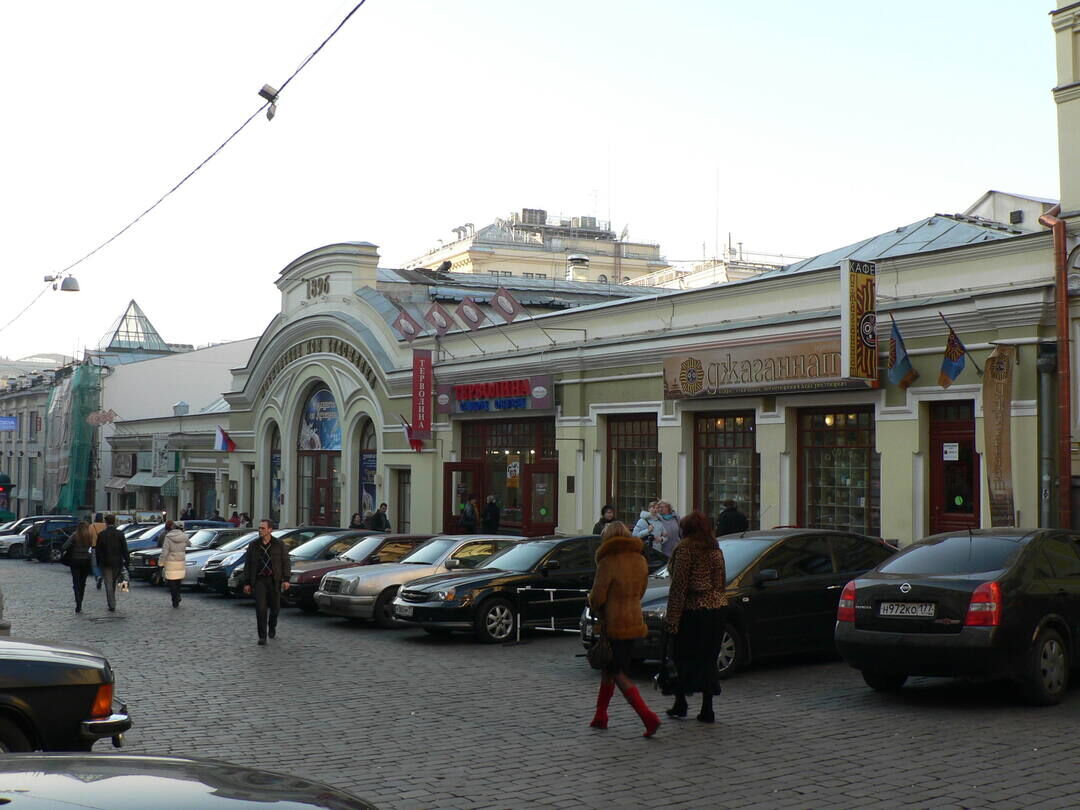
(266, 574)
(96, 528)
(76, 553)
(379, 522)
(621, 578)
(649, 527)
(670, 534)
(357, 521)
(235, 520)
(469, 516)
(112, 554)
(188, 513)
(731, 520)
(217, 516)
(607, 516)
(491, 515)
(695, 613)
(171, 560)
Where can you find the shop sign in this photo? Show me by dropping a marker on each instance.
(761, 368)
(421, 394)
(318, 346)
(858, 320)
(123, 465)
(159, 455)
(513, 474)
(997, 421)
(527, 393)
(367, 480)
(950, 451)
(319, 427)
(9, 423)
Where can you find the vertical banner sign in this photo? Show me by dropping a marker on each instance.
(421, 393)
(997, 408)
(858, 320)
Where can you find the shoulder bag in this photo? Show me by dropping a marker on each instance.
(599, 654)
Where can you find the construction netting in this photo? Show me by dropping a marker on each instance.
(69, 441)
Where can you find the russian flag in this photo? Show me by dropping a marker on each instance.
(222, 441)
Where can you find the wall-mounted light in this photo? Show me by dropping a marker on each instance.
(271, 95)
(829, 420)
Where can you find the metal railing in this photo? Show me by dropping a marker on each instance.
(551, 599)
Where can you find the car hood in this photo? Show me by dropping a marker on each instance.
(471, 578)
(202, 554)
(121, 782)
(320, 567)
(370, 579)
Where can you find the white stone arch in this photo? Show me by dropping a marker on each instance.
(269, 420)
(361, 413)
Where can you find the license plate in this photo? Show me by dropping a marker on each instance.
(403, 610)
(912, 610)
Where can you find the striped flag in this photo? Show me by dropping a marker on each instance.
(222, 442)
(900, 370)
(952, 364)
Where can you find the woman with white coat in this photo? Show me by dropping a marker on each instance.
(648, 527)
(173, 554)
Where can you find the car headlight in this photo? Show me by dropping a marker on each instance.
(191, 563)
(232, 558)
(445, 596)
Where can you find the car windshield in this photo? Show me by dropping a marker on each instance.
(314, 548)
(361, 550)
(9, 525)
(957, 554)
(430, 552)
(202, 538)
(519, 557)
(740, 552)
(239, 542)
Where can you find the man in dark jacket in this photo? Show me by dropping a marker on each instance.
(112, 558)
(731, 520)
(266, 572)
(379, 522)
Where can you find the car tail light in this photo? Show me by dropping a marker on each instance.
(984, 610)
(102, 701)
(845, 611)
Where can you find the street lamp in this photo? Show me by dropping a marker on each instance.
(67, 284)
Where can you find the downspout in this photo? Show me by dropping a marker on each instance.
(1061, 302)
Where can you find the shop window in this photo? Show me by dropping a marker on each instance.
(839, 470)
(633, 464)
(726, 464)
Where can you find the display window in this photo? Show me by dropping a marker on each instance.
(318, 476)
(839, 470)
(726, 464)
(633, 464)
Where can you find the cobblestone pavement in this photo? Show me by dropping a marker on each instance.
(411, 721)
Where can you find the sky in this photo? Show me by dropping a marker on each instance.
(796, 127)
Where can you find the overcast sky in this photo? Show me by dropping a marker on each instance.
(825, 123)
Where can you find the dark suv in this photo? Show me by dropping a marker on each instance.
(45, 540)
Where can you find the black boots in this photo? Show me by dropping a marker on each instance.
(679, 709)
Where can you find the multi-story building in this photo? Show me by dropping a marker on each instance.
(23, 401)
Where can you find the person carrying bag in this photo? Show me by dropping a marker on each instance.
(75, 554)
(621, 578)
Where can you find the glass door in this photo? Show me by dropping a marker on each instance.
(541, 500)
(460, 480)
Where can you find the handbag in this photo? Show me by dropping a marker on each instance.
(65, 555)
(666, 680)
(599, 654)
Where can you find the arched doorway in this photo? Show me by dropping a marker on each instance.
(318, 475)
(275, 476)
(368, 455)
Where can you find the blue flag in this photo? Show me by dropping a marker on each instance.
(900, 371)
(953, 361)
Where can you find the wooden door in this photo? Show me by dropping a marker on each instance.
(540, 498)
(954, 468)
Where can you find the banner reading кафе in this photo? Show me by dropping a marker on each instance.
(757, 368)
(858, 320)
(997, 419)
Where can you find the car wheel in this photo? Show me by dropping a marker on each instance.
(12, 738)
(384, 609)
(55, 553)
(732, 654)
(15, 551)
(495, 621)
(884, 681)
(1048, 669)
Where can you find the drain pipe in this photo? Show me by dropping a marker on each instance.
(1064, 420)
(1046, 363)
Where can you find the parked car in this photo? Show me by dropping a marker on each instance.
(110, 781)
(318, 549)
(14, 545)
(195, 561)
(205, 524)
(18, 527)
(989, 603)
(368, 592)
(223, 566)
(485, 601)
(144, 564)
(782, 587)
(45, 538)
(370, 550)
(56, 697)
(129, 530)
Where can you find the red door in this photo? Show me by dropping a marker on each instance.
(954, 468)
(460, 480)
(540, 498)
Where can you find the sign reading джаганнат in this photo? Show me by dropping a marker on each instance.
(810, 365)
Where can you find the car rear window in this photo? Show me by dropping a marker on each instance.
(959, 554)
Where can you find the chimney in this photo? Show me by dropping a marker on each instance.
(1066, 22)
(577, 267)
(180, 408)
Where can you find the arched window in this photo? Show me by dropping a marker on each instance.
(602, 279)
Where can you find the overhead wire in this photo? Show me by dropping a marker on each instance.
(190, 174)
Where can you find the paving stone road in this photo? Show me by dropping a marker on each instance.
(410, 721)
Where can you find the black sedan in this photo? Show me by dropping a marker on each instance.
(545, 580)
(992, 603)
(110, 781)
(56, 697)
(783, 586)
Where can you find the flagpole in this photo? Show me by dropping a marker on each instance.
(966, 352)
(532, 319)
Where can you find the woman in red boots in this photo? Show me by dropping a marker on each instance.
(621, 577)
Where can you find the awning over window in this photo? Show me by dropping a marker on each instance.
(116, 483)
(146, 479)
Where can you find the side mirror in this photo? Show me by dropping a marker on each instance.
(452, 565)
(550, 565)
(374, 559)
(766, 575)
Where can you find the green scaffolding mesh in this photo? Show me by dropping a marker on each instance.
(69, 441)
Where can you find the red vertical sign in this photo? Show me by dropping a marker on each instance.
(422, 382)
